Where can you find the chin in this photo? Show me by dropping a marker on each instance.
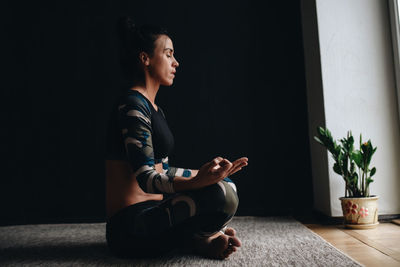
(168, 83)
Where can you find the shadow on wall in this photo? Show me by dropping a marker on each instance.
(239, 91)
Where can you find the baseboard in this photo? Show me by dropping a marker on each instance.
(388, 218)
(322, 218)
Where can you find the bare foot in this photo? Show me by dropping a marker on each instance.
(218, 246)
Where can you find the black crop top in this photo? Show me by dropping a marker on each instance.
(162, 138)
(140, 135)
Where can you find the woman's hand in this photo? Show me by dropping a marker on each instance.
(214, 171)
(238, 165)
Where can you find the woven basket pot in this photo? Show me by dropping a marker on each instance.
(360, 212)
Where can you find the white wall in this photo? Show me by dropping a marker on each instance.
(358, 92)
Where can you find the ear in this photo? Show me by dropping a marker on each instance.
(144, 58)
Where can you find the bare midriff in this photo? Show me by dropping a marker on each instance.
(122, 188)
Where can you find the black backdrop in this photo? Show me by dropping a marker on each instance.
(239, 91)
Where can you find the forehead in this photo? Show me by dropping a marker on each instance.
(163, 42)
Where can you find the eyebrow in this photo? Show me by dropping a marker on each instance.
(172, 50)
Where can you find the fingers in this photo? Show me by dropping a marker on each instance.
(214, 163)
(225, 162)
(237, 167)
(224, 167)
(241, 160)
(241, 163)
(223, 170)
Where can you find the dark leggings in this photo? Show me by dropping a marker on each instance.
(153, 228)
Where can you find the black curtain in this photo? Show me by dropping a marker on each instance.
(239, 91)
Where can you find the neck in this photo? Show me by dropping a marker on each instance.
(150, 88)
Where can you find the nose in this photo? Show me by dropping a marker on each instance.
(176, 63)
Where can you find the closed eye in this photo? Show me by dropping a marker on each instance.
(170, 51)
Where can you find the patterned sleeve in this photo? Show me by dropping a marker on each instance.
(135, 123)
(174, 171)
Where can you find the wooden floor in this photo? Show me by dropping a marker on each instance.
(373, 247)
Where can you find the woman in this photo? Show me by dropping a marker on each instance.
(153, 208)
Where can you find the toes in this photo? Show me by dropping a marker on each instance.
(220, 245)
(230, 231)
(229, 251)
(235, 241)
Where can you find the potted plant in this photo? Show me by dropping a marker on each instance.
(360, 209)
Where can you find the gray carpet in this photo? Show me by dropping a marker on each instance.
(267, 241)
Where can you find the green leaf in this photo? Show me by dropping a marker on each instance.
(324, 137)
(337, 168)
(318, 140)
(351, 140)
(364, 147)
(340, 157)
(352, 166)
(337, 150)
(321, 131)
(373, 171)
(357, 157)
(352, 179)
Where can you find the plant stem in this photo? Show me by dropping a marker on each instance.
(362, 186)
(360, 178)
(364, 177)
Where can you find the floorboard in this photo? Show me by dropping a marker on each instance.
(372, 247)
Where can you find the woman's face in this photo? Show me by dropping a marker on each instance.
(162, 66)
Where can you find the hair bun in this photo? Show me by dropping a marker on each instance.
(125, 25)
(130, 25)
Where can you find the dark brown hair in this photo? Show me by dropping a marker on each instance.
(134, 40)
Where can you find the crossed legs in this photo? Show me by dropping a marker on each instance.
(187, 219)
